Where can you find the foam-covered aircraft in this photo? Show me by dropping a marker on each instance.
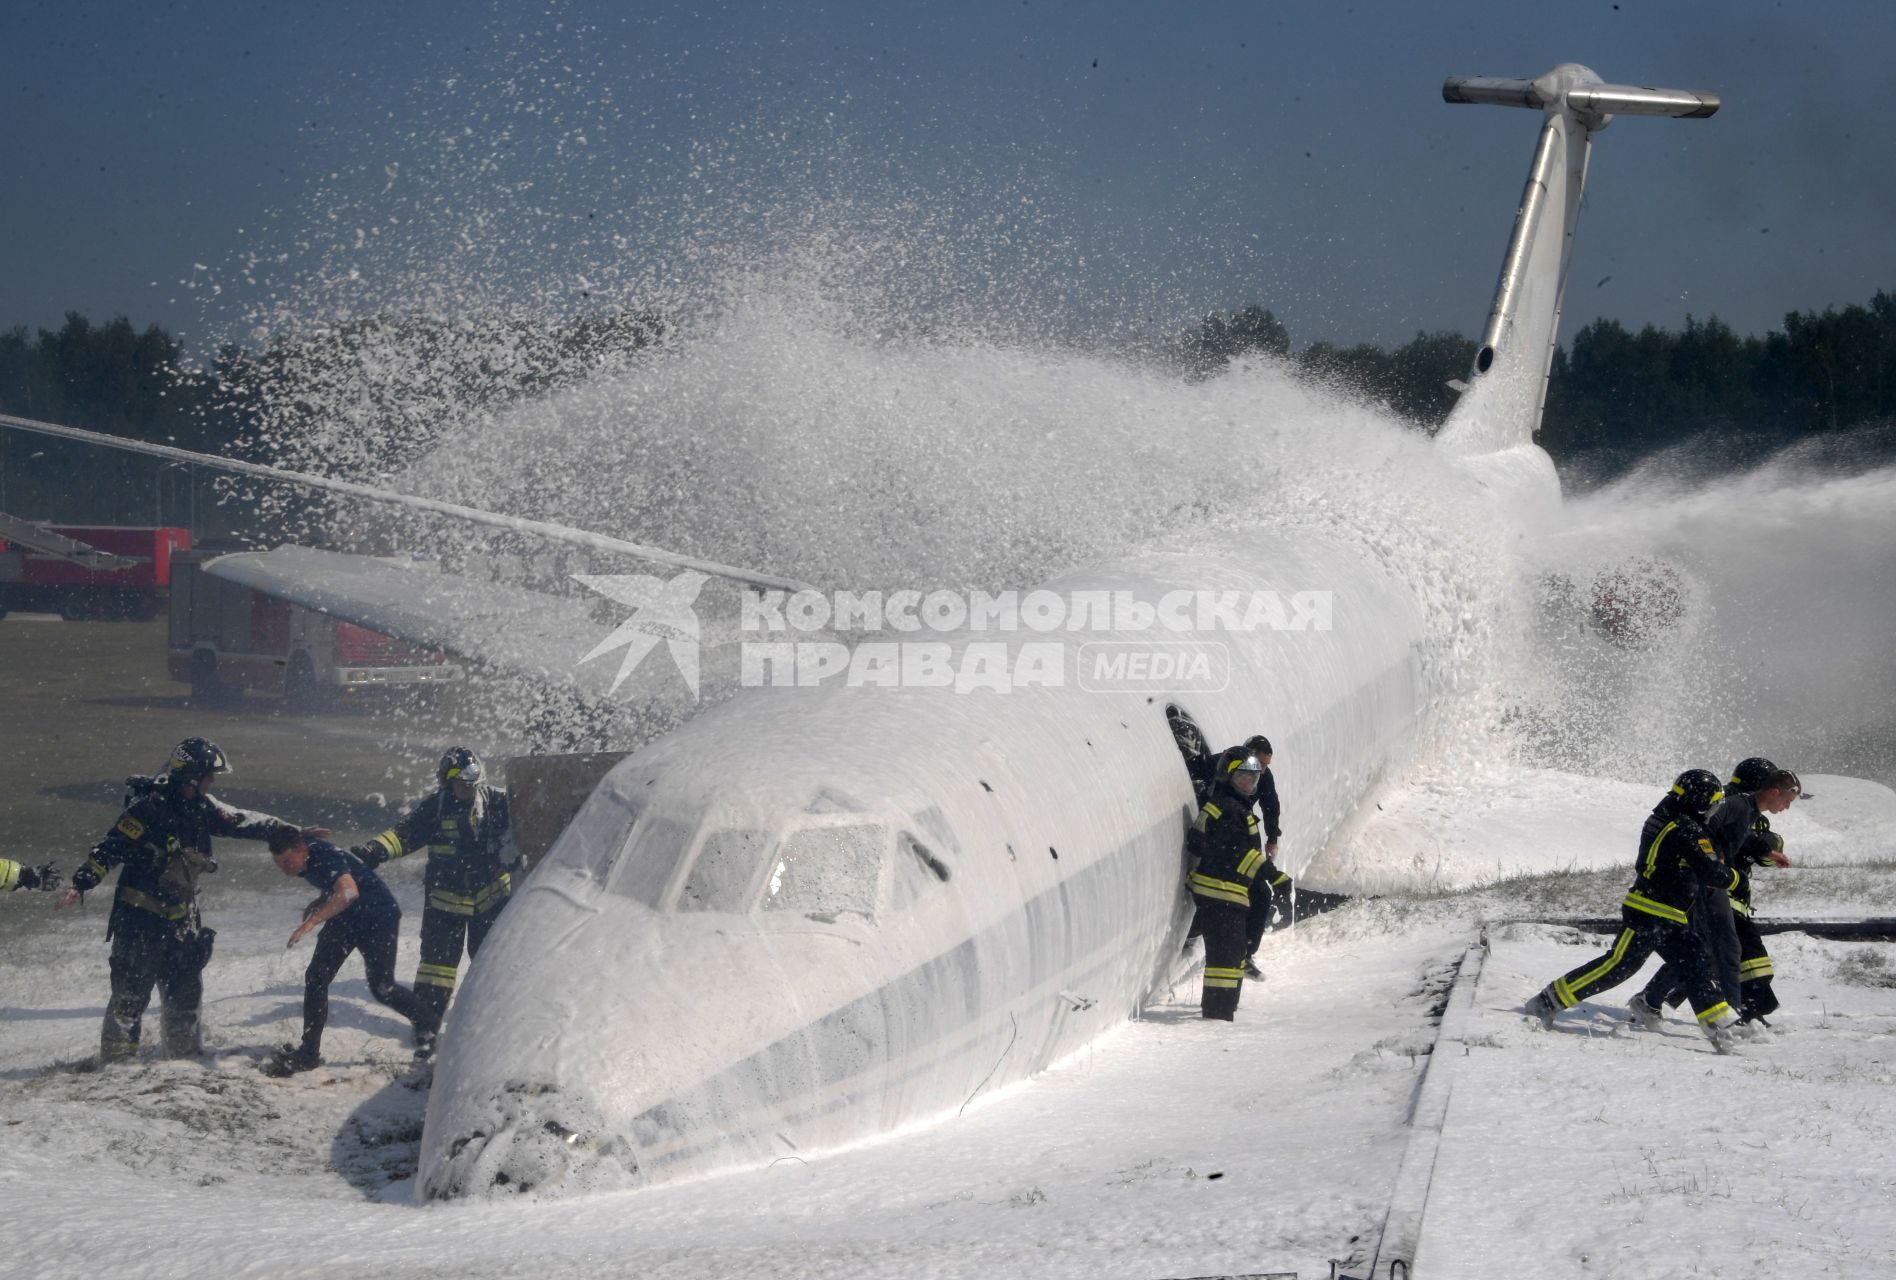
(811, 917)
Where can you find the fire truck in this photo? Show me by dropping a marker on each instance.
(227, 638)
(86, 572)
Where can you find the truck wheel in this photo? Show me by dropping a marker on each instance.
(78, 606)
(300, 691)
(206, 689)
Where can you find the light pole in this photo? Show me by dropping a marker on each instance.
(158, 490)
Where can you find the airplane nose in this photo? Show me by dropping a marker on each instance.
(530, 1137)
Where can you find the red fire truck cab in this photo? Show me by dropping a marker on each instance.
(47, 568)
(226, 638)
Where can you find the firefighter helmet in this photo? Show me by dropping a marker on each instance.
(194, 760)
(458, 764)
(1696, 791)
(1749, 774)
(1241, 770)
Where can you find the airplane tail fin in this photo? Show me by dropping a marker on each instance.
(1501, 404)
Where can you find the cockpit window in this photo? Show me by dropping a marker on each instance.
(723, 871)
(825, 871)
(593, 840)
(917, 870)
(650, 858)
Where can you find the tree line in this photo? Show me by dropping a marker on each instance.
(1615, 396)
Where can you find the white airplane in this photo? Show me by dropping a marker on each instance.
(812, 917)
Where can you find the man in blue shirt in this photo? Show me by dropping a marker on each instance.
(355, 913)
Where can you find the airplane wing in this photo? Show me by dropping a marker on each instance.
(535, 634)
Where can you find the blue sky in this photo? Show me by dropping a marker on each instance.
(206, 164)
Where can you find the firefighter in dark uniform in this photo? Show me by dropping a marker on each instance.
(1273, 894)
(1257, 920)
(1224, 842)
(466, 829)
(1676, 856)
(17, 875)
(1741, 830)
(161, 844)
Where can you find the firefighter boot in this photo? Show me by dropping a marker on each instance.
(118, 1037)
(184, 1033)
(1723, 1034)
(289, 1059)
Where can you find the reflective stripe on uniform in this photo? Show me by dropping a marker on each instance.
(1756, 967)
(463, 904)
(9, 873)
(435, 975)
(1742, 907)
(1652, 850)
(145, 902)
(1220, 890)
(1718, 1014)
(1563, 990)
(1283, 877)
(1637, 901)
(1249, 865)
(1214, 810)
(391, 844)
(1224, 979)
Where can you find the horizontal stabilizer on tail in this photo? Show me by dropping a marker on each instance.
(1601, 99)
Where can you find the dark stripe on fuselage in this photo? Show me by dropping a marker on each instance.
(799, 1064)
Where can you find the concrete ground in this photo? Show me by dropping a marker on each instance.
(89, 702)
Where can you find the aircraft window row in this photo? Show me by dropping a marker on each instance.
(823, 871)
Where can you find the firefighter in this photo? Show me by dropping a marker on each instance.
(356, 912)
(1741, 829)
(1274, 895)
(17, 875)
(467, 830)
(161, 844)
(1224, 842)
(1676, 855)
